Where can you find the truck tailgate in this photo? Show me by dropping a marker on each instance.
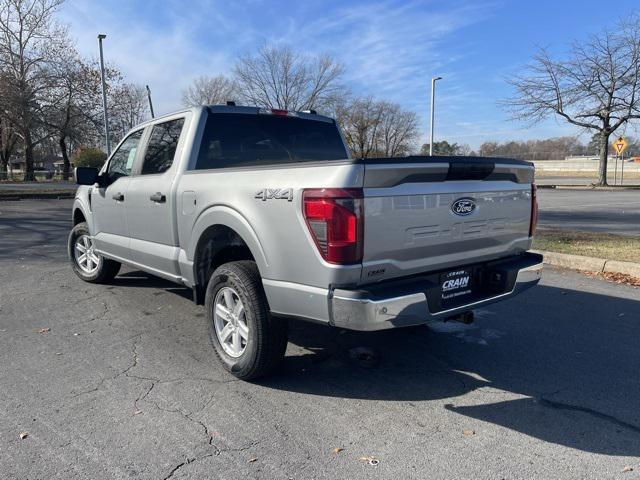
(425, 214)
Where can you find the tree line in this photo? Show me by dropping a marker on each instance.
(557, 148)
(553, 148)
(50, 96)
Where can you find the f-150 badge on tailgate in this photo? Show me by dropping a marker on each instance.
(275, 194)
(463, 206)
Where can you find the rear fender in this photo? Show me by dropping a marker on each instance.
(221, 215)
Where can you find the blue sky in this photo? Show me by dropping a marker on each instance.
(390, 48)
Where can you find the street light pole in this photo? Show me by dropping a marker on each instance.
(150, 104)
(433, 99)
(104, 96)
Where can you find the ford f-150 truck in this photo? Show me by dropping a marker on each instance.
(265, 216)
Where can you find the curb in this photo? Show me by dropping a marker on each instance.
(591, 264)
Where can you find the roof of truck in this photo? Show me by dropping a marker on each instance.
(307, 115)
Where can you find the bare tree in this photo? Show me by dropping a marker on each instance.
(597, 87)
(8, 143)
(128, 107)
(465, 150)
(374, 128)
(489, 149)
(30, 41)
(398, 130)
(360, 120)
(74, 113)
(278, 77)
(8, 136)
(209, 91)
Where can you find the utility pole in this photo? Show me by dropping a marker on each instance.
(433, 99)
(104, 96)
(150, 104)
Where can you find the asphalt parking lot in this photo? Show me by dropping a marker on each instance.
(122, 383)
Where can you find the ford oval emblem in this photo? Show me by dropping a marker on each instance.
(463, 206)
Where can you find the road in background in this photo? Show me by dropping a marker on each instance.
(590, 210)
(125, 383)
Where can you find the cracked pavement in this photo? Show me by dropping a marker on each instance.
(125, 383)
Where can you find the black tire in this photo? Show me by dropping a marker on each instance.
(264, 349)
(106, 270)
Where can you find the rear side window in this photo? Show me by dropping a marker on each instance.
(162, 146)
(238, 140)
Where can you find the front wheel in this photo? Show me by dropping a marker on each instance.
(249, 341)
(85, 262)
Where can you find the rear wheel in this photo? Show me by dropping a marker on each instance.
(249, 341)
(85, 262)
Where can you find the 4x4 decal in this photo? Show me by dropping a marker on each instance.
(275, 194)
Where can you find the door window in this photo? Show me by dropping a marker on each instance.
(162, 147)
(122, 160)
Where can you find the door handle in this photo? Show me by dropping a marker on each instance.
(158, 198)
(118, 197)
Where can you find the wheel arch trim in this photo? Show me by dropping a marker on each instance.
(79, 205)
(232, 219)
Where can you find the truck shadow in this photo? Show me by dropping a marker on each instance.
(562, 363)
(138, 279)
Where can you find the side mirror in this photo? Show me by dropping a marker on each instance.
(86, 175)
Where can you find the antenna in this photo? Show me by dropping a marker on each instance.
(150, 103)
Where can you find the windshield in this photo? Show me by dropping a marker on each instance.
(233, 140)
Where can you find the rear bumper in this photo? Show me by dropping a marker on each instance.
(407, 302)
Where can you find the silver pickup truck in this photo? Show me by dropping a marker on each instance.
(265, 216)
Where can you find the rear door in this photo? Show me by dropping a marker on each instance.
(111, 233)
(150, 200)
(432, 213)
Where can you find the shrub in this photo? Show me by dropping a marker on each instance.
(90, 157)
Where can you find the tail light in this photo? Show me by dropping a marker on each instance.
(534, 210)
(336, 222)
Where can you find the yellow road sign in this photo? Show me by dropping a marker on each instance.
(620, 145)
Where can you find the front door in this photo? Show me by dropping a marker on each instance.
(110, 231)
(151, 206)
